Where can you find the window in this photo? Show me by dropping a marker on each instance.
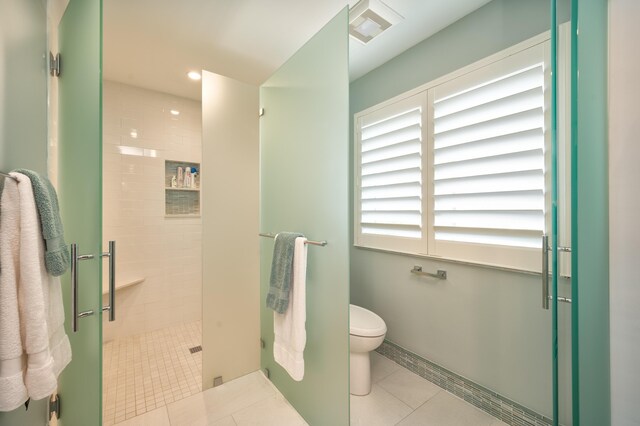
(457, 169)
(390, 178)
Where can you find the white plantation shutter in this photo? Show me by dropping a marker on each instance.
(488, 161)
(458, 169)
(390, 175)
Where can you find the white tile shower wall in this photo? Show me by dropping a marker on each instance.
(166, 252)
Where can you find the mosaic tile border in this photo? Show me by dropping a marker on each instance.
(495, 404)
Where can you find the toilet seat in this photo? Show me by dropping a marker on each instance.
(365, 323)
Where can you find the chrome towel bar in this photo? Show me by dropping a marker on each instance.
(315, 243)
(7, 175)
(439, 274)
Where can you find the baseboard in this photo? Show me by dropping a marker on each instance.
(491, 402)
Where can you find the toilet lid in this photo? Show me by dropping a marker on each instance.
(365, 323)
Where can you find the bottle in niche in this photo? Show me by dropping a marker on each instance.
(194, 174)
(180, 178)
(174, 181)
(187, 177)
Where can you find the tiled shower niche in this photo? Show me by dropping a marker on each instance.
(181, 201)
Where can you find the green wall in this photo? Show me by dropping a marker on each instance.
(495, 26)
(484, 324)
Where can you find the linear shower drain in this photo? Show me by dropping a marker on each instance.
(195, 349)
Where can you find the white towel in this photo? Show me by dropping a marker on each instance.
(39, 302)
(13, 392)
(289, 328)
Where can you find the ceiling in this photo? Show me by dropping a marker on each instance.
(153, 43)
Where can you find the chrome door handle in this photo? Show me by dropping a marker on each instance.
(74, 287)
(545, 272)
(111, 307)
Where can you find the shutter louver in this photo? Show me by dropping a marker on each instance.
(488, 165)
(391, 175)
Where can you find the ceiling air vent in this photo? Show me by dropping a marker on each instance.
(369, 18)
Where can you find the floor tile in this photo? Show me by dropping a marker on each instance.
(409, 388)
(273, 411)
(158, 417)
(227, 421)
(147, 371)
(217, 403)
(381, 367)
(445, 409)
(379, 408)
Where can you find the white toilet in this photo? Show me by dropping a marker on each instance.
(366, 333)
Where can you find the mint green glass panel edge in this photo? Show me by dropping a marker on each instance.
(590, 218)
(304, 162)
(80, 183)
(554, 213)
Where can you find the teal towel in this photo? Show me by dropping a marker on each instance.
(56, 257)
(281, 271)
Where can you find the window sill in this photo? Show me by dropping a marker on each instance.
(455, 261)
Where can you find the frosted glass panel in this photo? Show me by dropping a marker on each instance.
(80, 183)
(23, 117)
(590, 214)
(23, 85)
(304, 188)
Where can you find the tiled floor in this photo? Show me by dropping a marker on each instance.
(400, 397)
(248, 400)
(153, 380)
(147, 371)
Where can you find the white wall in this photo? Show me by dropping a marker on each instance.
(231, 283)
(166, 252)
(624, 205)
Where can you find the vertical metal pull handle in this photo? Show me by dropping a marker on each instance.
(74, 287)
(111, 307)
(545, 272)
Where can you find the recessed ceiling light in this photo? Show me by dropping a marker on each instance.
(369, 18)
(175, 112)
(194, 75)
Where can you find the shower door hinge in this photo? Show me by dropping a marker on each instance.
(54, 64)
(54, 406)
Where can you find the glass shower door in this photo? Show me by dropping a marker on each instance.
(80, 194)
(560, 190)
(579, 243)
(304, 175)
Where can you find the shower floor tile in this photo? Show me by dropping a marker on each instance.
(148, 371)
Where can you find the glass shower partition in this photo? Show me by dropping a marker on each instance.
(304, 164)
(80, 194)
(590, 214)
(23, 117)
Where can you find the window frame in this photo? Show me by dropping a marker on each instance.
(504, 257)
(384, 242)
